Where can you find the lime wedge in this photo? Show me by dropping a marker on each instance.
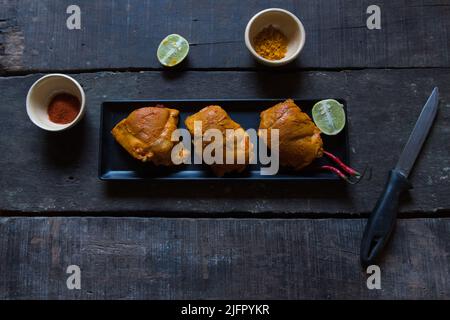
(172, 50)
(329, 116)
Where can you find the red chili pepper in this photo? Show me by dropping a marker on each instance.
(341, 175)
(346, 168)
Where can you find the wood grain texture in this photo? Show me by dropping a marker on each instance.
(153, 258)
(11, 37)
(55, 173)
(134, 258)
(120, 34)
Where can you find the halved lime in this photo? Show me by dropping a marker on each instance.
(172, 50)
(329, 116)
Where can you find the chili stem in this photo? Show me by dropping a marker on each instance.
(340, 174)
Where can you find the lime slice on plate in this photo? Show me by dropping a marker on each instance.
(329, 116)
(172, 50)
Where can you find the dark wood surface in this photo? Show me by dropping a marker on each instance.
(58, 173)
(120, 34)
(140, 258)
(220, 240)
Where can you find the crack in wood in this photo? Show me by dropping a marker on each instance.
(213, 43)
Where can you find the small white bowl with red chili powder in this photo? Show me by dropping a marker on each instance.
(275, 36)
(56, 102)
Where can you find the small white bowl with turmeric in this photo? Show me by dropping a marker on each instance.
(275, 36)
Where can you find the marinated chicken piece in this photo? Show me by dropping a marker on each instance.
(214, 117)
(146, 134)
(299, 138)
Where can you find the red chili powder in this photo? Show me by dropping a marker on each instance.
(63, 108)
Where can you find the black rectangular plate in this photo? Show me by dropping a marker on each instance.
(116, 164)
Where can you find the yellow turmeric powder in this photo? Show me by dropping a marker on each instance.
(271, 43)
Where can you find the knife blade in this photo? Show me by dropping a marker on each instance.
(418, 135)
(382, 220)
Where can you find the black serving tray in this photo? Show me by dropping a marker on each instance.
(116, 164)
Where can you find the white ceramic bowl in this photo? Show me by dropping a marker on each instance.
(43, 91)
(284, 21)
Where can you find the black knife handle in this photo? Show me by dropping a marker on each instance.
(382, 219)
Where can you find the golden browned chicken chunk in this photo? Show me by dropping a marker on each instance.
(146, 134)
(299, 138)
(214, 117)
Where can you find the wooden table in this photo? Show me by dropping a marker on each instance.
(230, 240)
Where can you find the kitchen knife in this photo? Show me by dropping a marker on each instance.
(382, 219)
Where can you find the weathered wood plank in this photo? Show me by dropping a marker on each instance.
(125, 34)
(133, 258)
(11, 37)
(47, 172)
